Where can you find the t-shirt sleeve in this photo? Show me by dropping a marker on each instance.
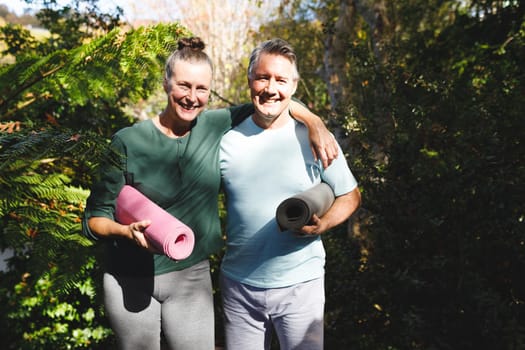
(339, 176)
(105, 189)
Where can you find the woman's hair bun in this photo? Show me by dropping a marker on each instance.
(189, 49)
(192, 43)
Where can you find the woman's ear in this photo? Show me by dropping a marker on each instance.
(165, 85)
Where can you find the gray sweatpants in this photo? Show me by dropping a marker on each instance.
(296, 313)
(179, 303)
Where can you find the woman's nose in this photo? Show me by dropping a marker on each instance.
(192, 95)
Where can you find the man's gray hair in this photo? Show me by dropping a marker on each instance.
(274, 46)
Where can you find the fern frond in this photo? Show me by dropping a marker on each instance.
(118, 67)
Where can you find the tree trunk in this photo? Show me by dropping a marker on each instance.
(337, 43)
(339, 35)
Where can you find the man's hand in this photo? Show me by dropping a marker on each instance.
(315, 227)
(340, 211)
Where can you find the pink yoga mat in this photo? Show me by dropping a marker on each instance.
(166, 233)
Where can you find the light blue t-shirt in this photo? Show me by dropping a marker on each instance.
(261, 168)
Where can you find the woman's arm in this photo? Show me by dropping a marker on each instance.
(98, 220)
(105, 227)
(322, 141)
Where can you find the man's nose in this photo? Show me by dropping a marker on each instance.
(271, 86)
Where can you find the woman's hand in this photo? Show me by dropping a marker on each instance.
(136, 230)
(105, 227)
(322, 143)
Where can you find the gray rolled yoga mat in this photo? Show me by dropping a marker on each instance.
(296, 211)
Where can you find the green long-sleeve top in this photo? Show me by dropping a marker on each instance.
(181, 175)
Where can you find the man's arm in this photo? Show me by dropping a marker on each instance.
(341, 209)
(322, 142)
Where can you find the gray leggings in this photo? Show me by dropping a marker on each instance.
(179, 303)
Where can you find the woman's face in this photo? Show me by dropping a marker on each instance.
(188, 89)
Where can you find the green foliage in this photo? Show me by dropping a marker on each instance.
(447, 250)
(69, 27)
(433, 260)
(57, 111)
(50, 306)
(76, 87)
(435, 136)
(17, 39)
(37, 316)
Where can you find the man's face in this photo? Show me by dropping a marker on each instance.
(272, 85)
(188, 89)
